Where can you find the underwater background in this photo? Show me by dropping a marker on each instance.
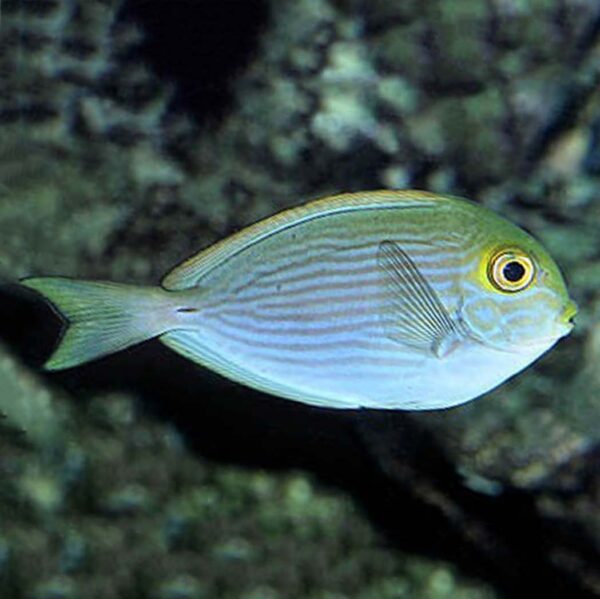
(134, 133)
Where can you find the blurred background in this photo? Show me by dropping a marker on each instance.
(135, 133)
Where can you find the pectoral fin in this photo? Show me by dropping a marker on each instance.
(414, 313)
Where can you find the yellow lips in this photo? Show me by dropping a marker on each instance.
(569, 312)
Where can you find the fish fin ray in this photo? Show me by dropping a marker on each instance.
(100, 317)
(415, 314)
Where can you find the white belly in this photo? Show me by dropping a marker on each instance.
(340, 358)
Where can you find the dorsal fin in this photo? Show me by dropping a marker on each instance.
(188, 273)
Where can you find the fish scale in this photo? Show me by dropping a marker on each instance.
(384, 299)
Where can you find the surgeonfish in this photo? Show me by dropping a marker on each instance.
(379, 299)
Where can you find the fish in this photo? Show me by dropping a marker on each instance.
(387, 299)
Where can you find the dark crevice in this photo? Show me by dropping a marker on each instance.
(199, 46)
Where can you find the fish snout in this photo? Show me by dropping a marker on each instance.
(567, 314)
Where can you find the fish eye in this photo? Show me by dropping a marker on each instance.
(511, 270)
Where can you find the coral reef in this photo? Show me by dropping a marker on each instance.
(101, 178)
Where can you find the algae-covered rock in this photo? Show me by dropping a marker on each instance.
(27, 406)
(122, 509)
(101, 177)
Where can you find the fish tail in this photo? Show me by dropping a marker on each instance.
(102, 317)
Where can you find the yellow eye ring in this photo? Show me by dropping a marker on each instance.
(511, 270)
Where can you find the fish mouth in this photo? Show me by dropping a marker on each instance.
(563, 326)
(568, 314)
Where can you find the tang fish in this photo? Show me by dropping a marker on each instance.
(382, 299)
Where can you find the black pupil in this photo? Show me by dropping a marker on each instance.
(513, 272)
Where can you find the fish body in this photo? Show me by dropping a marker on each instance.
(387, 299)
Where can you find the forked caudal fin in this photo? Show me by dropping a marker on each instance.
(102, 317)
